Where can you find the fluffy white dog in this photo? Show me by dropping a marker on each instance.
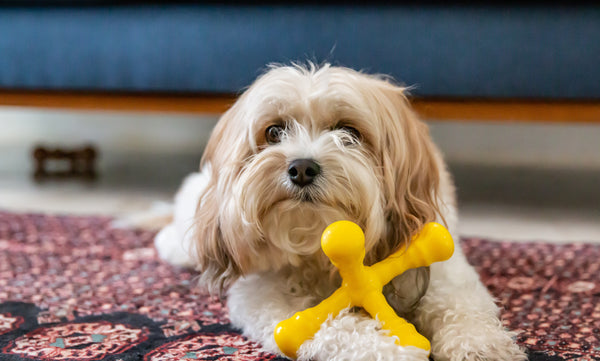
(304, 147)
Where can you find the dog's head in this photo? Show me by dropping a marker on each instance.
(304, 147)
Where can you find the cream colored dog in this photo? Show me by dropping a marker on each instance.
(304, 147)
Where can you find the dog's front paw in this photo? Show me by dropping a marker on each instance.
(353, 336)
(472, 338)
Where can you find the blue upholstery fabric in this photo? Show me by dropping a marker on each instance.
(471, 51)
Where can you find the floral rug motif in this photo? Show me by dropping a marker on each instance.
(74, 288)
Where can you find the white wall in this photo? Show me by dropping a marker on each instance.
(117, 135)
(548, 145)
(124, 138)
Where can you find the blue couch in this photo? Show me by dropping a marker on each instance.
(531, 52)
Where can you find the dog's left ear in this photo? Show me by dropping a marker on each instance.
(410, 166)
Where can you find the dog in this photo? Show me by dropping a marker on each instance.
(305, 146)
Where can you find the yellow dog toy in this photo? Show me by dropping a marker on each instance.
(344, 243)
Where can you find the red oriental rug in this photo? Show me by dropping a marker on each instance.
(73, 288)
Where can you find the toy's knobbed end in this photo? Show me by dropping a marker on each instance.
(288, 338)
(343, 242)
(440, 243)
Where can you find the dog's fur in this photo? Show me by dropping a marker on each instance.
(254, 234)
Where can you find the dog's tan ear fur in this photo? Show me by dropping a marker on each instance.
(414, 170)
(410, 172)
(214, 256)
(217, 259)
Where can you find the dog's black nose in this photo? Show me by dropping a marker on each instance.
(303, 171)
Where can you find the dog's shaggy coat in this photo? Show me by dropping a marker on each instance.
(254, 232)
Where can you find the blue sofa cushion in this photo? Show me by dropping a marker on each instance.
(461, 51)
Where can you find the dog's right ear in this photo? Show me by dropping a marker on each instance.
(216, 256)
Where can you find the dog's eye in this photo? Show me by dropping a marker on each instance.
(353, 132)
(273, 134)
(356, 136)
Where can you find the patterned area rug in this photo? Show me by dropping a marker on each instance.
(73, 288)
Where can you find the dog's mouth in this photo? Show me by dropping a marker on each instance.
(308, 194)
(307, 197)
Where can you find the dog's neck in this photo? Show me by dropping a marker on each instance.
(316, 277)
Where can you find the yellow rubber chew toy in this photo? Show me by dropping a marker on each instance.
(344, 243)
